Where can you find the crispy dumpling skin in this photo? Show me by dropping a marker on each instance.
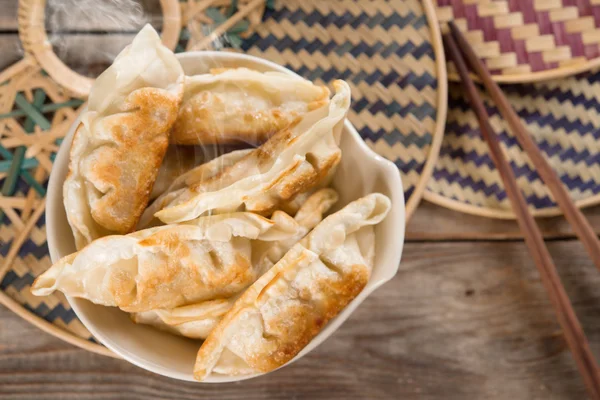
(122, 138)
(242, 105)
(167, 266)
(285, 308)
(197, 320)
(177, 161)
(310, 214)
(293, 161)
(192, 177)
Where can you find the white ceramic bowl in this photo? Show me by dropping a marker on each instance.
(361, 172)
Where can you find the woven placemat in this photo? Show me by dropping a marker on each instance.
(528, 40)
(564, 118)
(389, 52)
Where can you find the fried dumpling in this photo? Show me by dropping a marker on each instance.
(243, 105)
(167, 266)
(293, 161)
(286, 307)
(122, 138)
(192, 177)
(197, 320)
(177, 161)
(309, 215)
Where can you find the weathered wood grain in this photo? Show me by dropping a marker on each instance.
(88, 54)
(84, 16)
(434, 223)
(10, 48)
(459, 321)
(89, 40)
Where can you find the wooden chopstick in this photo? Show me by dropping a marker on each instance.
(574, 216)
(573, 331)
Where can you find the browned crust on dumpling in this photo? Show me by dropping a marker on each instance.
(297, 320)
(299, 177)
(197, 125)
(300, 323)
(129, 167)
(176, 263)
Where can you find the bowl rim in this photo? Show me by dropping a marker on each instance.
(54, 194)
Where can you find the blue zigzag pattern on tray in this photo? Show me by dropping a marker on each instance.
(546, 120)
(347, 18)
(394, 136)
(347, 47)
(530, 117)
(19, 283)
(50, 315)
(567, 142)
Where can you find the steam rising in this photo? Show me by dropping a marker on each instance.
(73, 28)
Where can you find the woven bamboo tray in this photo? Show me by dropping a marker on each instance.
(390, 53)
(528, 40)
(562, 115)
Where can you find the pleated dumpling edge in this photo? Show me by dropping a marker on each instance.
(119, 145)
(292, 161)
(288, 306)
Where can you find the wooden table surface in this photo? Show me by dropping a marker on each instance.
(465, 318)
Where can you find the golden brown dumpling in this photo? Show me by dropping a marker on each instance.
(293, 161)
(286, 307)
(197, 320)
(167, 266)
(119, 145)
(192, 177)
(243, 105)
(177, 161)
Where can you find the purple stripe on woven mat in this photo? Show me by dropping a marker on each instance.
(470, 13)
(521, 52)
(575, 43)
(536, 61)
(489, 29)
(472, 16)
(543, 21)
(596, 15)
(526, 8)
(560, 34)
(505, 40)
(459, 10)
(585, 7)
(591, 51)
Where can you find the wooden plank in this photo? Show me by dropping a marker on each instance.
(8, 16)
(459, 321)
(10, 48)
(432, 222)
(86, 53)
(89, 15)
